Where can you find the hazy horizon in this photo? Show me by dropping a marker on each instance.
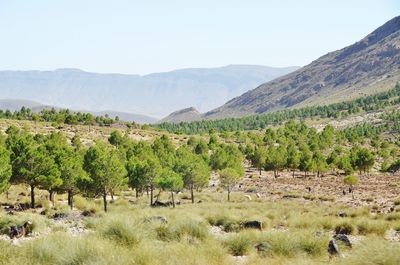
(134, 37)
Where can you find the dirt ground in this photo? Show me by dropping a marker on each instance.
(377, 190)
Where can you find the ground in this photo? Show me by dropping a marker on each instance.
(297, 225)
(374, 189)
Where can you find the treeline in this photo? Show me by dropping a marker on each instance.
(63, 116)
(296, 147)
(58, 165)
(52, 163)
(258, 122)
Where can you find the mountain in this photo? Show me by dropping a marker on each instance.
(125, 116)
(185, 115)
(366, 67)
(17, 104)
(155, 95)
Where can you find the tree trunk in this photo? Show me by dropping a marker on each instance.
(70, 198)
(293, 172)
(260, 171)
(191, 193)
(112, 196)
(173, 201)
(105, 200)
(229, 193)
(317, 174)
(151, 195)
(7, 193)
(32, 196)
(136, 193)
(51, 196)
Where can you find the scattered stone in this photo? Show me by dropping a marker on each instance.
(262, 248)
(343, 238)
(252, 224)
(342, 214)
(333, 248)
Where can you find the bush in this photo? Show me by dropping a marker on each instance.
(228, 224)
(396, 227)
(239, 244)
(121, 231)
(290, 244)
(190, 228)
(376, 227)
(87, 206)
(374, 251)
(185, 229)
(393, 217)
(344, 228)
(60, 248)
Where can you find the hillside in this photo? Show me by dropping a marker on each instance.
(184, 115)
(366, 67)
(17, 104)
(155, 95)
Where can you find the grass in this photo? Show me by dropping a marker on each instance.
(121, 232)
(345, 227)
(367, 226)
(294, 233)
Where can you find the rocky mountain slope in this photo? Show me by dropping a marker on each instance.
(366, 67)
(154, 95)
(184, 115)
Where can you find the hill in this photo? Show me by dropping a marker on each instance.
(155, 95)
(364, 68)
(17, 104)
(184, 115)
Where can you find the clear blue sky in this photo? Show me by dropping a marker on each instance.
(151, 36)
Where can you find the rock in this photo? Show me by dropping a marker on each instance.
(333, 248)
(248, 197)
(342, 214)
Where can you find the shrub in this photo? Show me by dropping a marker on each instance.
(185, 229)
(121, 231)
(239, 244)
(376, 227)
(393, 217)
(228, 224)
(291, 244)
(396, 227)
(344, 228)
(374, 251)
(190, 228)
(61, 248)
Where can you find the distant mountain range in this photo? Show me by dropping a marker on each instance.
(17, 104)
(366, 67)
(154, 95)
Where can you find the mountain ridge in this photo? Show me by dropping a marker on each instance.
(155, 94)
(365, 67)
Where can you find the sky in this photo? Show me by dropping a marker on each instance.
(140, 37)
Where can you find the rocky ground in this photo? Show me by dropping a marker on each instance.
(377, 190)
